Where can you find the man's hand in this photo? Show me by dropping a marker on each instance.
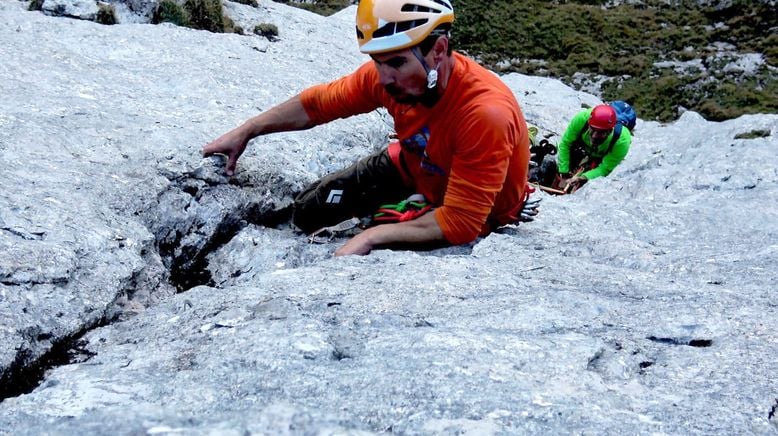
(359, 245)
(560, 181)
(574, 183)
(231, 144)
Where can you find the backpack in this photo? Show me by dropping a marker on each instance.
(625, 114)
(625, 117)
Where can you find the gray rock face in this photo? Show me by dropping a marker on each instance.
(645, 303)
(82, 9)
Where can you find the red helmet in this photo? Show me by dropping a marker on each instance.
(603, 117)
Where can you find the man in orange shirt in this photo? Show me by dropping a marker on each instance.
(463, 141)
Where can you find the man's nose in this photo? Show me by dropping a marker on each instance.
(385, 77)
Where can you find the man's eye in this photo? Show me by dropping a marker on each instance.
(395, 63)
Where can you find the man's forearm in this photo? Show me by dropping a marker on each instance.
(287, 116)
(424, 229)
(421, 231)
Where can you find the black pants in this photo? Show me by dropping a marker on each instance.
(579, 159)
(547, 172)
(356, 191)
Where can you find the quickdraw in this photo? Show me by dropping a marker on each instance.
(327, 234)
(530, 207)
(406, 210)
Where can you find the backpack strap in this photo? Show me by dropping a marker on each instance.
(581, 133)
(614, 138)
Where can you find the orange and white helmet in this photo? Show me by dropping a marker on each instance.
(388, 25)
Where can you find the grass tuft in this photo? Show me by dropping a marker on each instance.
(106, 14)
(253, 3)
(753, 134)
(168, 11)
(268, 30)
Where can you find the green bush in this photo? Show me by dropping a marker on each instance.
(197, 14)
(753, 134)
(268, 30)
(581, 36)
(230, 27)
(321, 7)
(205, 15)
(247, 2)
(106, 14)
(35, 5)
(168, 11)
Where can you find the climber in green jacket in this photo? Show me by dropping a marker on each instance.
(593, 144)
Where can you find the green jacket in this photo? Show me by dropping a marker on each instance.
(609, 160)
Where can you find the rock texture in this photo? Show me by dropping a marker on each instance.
(645, 303)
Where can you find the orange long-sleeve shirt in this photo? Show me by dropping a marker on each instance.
(468, 154)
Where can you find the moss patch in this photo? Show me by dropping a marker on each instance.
(753, 134)
(321, 7)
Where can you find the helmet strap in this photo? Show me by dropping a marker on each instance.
(432, 78)
(432, 73)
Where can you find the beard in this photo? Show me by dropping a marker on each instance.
(597, 140)
(399, 96)
(428, 97)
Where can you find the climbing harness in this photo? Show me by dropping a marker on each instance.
(406, 210)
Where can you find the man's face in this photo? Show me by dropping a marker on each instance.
(402, 76)
(598, 135)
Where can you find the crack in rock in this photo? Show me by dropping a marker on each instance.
(699, 343)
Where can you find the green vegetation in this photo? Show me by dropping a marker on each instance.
(561, 38)
(206, 15)
(268, 30)
(321, 7)
(753, 134)
(35, 5)
(106, 14)
(168, 11)
(197, 14)
(253, 3)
